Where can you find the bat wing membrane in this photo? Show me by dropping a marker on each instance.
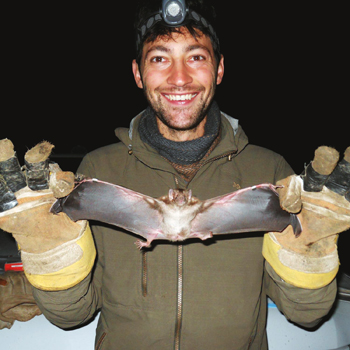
(112, 204)
(249, 210)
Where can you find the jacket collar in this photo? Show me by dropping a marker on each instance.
(233, 122)
(233, 140)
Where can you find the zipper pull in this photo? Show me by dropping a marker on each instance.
(230, 156)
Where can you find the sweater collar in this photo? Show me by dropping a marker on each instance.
(185, 152)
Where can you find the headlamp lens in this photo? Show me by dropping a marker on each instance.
(174, 11)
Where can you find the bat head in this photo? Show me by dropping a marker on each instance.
(180, 197)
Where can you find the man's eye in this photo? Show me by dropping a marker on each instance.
(197, 58)
(158, 59)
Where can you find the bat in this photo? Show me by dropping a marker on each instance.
(178, 215)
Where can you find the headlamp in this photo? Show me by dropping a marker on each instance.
(173, 13)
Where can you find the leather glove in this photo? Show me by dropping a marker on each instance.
(56, 252)
(321, 200)
(16, 299)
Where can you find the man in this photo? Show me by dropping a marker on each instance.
(193, 295)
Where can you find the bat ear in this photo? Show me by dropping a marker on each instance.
(189, 195)
(171, 194)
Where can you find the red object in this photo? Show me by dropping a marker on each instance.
(14, 267)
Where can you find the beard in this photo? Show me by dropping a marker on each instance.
(181, 118)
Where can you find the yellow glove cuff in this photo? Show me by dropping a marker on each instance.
(71, 275)
(308, 280)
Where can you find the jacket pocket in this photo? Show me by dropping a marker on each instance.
(100, 342)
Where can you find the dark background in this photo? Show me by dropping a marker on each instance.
(67, 77)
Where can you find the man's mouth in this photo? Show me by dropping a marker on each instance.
(182, 97)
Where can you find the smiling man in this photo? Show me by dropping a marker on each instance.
(194, 295)
(179, 74)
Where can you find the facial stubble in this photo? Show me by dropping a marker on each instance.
(164, 114)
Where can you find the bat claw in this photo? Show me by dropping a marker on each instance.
(139, 244)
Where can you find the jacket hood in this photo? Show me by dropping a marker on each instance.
(233, 138)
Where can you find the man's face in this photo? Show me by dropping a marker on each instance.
(179, 76)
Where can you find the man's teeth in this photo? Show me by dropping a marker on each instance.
(180, 97)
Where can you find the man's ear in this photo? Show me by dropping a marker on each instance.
(137, 74)
(221, 70)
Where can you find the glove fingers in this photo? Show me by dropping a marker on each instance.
(339, 180)
(318, 171)
(325, 170)
(9, 166)
(290, 194)
(7, 198)
(62, 183)
(37, 166)
(18, 187)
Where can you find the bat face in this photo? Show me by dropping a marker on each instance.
(180, 197)
(178, 209)
(179, 215)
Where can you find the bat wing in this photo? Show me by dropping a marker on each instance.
(112, 204)
(252, 209)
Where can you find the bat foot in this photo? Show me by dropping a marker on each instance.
(140, 244)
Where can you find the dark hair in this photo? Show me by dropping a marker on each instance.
(147, 8)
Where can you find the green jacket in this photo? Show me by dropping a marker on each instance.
(195, 295)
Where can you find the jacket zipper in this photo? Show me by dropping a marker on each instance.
(178, 322)
(144, 274)
(178, 325)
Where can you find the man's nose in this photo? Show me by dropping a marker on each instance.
(179, 74)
